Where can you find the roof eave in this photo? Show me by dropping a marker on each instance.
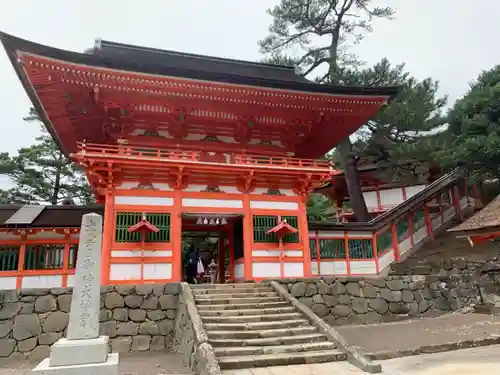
(11, 50)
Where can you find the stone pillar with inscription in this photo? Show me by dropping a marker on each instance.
(83, 351)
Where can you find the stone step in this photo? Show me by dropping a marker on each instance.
(255, 325)
(243, 306)
(232, 301)
(255, 289)
(252, 318)
(225, 295)
(265, 360)
(279, 349)
(224, 286)
(245, 312)
(239, 334)
(270, 341)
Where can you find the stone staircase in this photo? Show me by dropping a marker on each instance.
(250, 325)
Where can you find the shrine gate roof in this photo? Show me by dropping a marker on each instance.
(64, 86)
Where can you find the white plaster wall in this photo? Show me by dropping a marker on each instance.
(370, 198)
(385, 260)
(262, 269)
(436, 222)
(45, 281)
(239, 271)
(405, 245)
(449, 213)
(391, 197)
(293, 269)
(332, 267)
(71, 280)
(146, 201)
(276, 253)
(412, 190)
(276, 205)
(464, 202)
(157, 271)
(139, 253)
(212, 203)
(125, 272)
(419, 235)
(8, 282)
(363, 267)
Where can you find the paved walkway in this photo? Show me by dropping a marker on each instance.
(476, 361)
(147, 363)
(420, 335)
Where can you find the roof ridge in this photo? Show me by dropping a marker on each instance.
(100, 43)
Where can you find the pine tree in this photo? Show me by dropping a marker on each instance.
(322, 32)
(42, 174)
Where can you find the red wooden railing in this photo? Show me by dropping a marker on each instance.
(98, 150)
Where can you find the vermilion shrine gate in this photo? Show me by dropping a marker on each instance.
(174, 142)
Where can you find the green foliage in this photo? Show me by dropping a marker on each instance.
(322, 30)
(319, 208)
(472, 140)
(42, 174)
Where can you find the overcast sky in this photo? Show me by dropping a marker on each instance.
(450, 40)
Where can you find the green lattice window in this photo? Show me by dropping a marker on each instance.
(162, 222)
(293, 221)
(9, 258)
(418, 220)
(332, 249)
(446, 197)
(40, 257)
(125, 220)
(360, 249)
(261, 224)
(312, 247)
(402, 229)
(384, 240)
(73, 253)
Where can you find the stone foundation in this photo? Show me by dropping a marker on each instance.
(136, 318)
(363, 301)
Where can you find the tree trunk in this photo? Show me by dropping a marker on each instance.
(352, 181)
(57, 184)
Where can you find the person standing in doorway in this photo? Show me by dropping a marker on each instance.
(192, 264)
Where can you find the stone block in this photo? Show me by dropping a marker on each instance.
(110, 367)
(137, 315)
(141, 343)
(7, 347)
(56, 321)
(133, 301)
(168, 302)
(45, 304)
(26, 326)
(79, 352)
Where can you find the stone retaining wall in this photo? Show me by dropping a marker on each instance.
(447, 267)
(364, 301)
(136, 318)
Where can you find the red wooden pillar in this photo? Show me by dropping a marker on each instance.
(375, 252)
(247, 237)
(410, 229)
(428, 222)
(395, 243)
(318, 251)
